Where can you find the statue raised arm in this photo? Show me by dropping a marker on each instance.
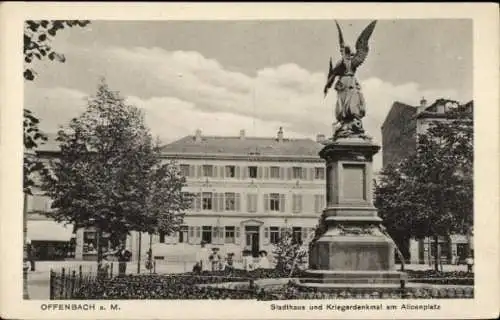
(350, 106)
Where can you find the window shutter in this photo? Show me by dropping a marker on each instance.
(237, 235)
(266, 202)
(259, 172)
(198, 233)
(311, 174)
(222, 202)
(289, 173)
(299, 209)
(266, 172)
(303, 174)
(249, 202)
(294, 203)
(304, 234)
(237, 202)
(282, 173)
(237, 172)
(192, 170)
(316, 203)
(200, 171)
(197, 202)
(266, 236)
(282, 202)
(215, 171)
(255, 201)
(191, 235)
(244, 172)
(322, 202)
(222, 171)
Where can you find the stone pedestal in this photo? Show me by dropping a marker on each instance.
(350, 248)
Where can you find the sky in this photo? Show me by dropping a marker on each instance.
(225, 76)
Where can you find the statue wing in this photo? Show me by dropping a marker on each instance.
(333, 72)
(362, 45)
(341, 39)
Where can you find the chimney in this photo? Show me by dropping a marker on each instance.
(280, 134)
(242, 134)
(423, 105)
(320, 138)
(197, 136)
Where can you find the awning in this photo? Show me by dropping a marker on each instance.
(47, 230)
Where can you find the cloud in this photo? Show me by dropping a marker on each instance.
(181, 91)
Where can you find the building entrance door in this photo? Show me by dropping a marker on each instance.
(252, 240)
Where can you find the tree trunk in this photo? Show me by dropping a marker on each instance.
(25, 246)
(150, 253)
(139, 254)
(99, 250)
(436, 253)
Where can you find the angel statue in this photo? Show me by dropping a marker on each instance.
(350, 106)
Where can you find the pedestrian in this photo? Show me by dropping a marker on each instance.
(123, 257)
(215, 259)
(470, 262)
(264, 262)
(31, 255)
(203, 257)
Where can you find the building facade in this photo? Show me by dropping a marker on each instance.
(247, 190)
(400, 131)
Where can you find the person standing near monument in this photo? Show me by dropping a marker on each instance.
(123, 257)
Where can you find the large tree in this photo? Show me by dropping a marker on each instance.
(430, 193)
(37, 46)
(109, 174)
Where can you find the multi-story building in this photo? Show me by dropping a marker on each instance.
(400, 130)
(248, 190)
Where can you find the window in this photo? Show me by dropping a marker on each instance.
(229, 235)
(275, 235)
(208, 170)
(319, 202)
(206, 234)
(184, 170)
(230, 200)
(207, 201)
(297, 173)
(297, 235)
(90, 242)
(183, 234)
(319, 173)
(230, 171)
(252, 172)
(274, 202)
(162, 237)
(275, 172)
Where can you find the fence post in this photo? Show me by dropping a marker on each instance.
(154, 266)
(73, 284)
(111, 269)
(402, 284)
(51, 284)
(63, 283)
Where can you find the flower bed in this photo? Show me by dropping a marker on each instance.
(437, 277)
(197, 286)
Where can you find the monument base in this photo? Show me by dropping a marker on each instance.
(350, 249)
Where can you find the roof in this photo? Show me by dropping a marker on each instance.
(397, 109)
(243, 146)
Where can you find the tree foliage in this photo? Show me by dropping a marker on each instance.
(430, 193)
(289, 254)
(38, 35)
(109, 174)
(37, 38)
